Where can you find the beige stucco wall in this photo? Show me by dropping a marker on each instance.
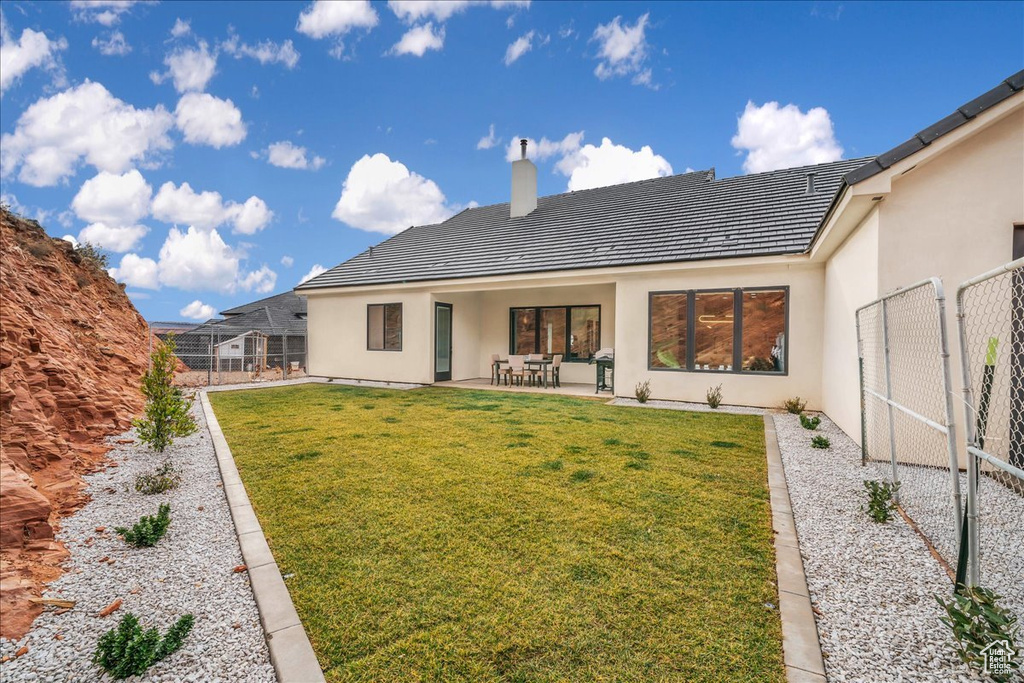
(805, 303)
(465, 333)
(851, 280)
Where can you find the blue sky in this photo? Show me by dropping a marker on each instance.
(322, 129)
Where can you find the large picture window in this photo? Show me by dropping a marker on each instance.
(738, 330)
(572, 331)
(384, 327)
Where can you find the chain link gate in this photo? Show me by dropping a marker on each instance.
(990, 316)
(907, 410)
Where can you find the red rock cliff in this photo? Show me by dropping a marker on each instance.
(72, 351)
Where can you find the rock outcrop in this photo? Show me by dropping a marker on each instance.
(72, 351)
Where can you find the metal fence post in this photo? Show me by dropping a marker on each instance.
(284, 356)
(971, 437)
(209, 362)
(888, 396)
(947, 392)
(863, 415)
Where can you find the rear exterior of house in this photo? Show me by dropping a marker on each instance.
(694, 281)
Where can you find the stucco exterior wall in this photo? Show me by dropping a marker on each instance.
(851, 280)
(805, 304)
(465, 333)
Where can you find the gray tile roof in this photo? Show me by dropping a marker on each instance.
(687, 217)
(1012, 85)
(271, 320)
(289, 301)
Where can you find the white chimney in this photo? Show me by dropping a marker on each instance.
(524, 185)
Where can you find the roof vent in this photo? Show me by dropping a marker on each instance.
(810, 183)
(524, 185)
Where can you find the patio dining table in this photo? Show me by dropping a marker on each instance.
(541, 364)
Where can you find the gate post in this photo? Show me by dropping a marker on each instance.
(888, 398)
(947, 391)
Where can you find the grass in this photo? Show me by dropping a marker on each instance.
(498, 537)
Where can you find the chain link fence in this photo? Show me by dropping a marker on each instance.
(990, 313)
(907, 424)
(217, 354)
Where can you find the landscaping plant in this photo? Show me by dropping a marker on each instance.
(128, 650)
(880, 495)
(92, 255)
(794, 405)
(168, 410)
(977, 622)
(643, 391)
(810, 422)
(164, 478)
(819, 441)
(148, 530)
(714, 396)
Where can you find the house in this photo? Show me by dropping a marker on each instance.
(750, 282)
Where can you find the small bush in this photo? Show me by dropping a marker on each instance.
(148, 530)
(40, 249)
(880, 495)
(714, 396)
(794, 405)
(164, 478)
(128, 650)
(168, 410)
(643, 391)
(810, 422)
(820, 442)
(977, 622)
(92, 255)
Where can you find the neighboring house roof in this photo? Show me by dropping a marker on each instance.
(271, 320)
(289, 301)
(168, 327)
(962, 115)
(687, 217)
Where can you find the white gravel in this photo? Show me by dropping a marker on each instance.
(188, 571)
(683, 405)
(872, 585)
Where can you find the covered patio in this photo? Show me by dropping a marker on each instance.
(566, 388)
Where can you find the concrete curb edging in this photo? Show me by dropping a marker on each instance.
(801, 649)
(290, 650)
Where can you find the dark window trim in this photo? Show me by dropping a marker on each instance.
(1017, 250)
(737, 330)
(384, 322)
(566, 358)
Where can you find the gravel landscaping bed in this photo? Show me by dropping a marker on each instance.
(871, 584)
(683, 405)
(190, 570)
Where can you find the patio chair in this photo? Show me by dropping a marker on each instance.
(495, 369)
(533, 371)
(515, 369)
(556, 365)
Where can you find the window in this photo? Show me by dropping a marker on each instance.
(384, 327)
(572, 331)
(1018, 241)
(740, 330)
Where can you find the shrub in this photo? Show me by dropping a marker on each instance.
(820, 441)
(92, 255)
(643, 391)
(810, 422)
(164, 478)
(977, 622)
(714, 396)
(148, 530)
(880, 495)
(794, 405)
(40, 249)
(128, 650)
(759, 364)
(167, 408)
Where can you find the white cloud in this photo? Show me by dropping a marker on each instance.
(264, 52)
(783, 137)
(33, 49)
(136, 271)
(197, 310)
(317, 269)
(181, 28)
(381, 195)
(286, 155)
(539, 151)
(287, 261)
(519, 47)
(208, 120)
(72, 239)
(414, 11)
(119, 238)
(189, 68)
(207, 210)
(85, 123)
(201, 260)
(488, 141)
(117, 200)
(417, 40)
(611, 164)
(623, 50)
(113, 46)
(104, 12)
(327, 19)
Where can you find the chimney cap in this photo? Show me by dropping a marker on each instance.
(522, 146)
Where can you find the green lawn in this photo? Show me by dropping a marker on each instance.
(448, 534)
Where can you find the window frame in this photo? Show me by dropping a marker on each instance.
(566, 357)
(384, 324)
(737, 330)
